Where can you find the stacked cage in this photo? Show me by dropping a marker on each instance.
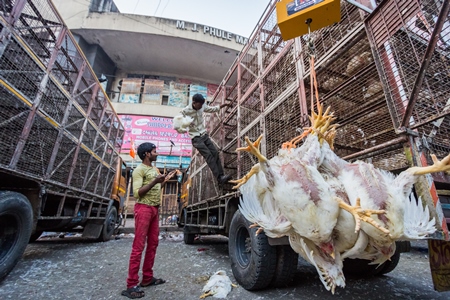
(58, 126)
(367, 72)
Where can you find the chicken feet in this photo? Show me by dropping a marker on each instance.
(259, 230)
(252, 148)
(438, 166)
(362, 214)
(254, 170)
(320, 124)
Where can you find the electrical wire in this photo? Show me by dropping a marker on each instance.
(136, 6)
(157, 8)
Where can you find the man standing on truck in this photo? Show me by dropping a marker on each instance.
(147, 183)
(200, 138)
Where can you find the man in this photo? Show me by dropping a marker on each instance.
(147, 183)
(200, 138)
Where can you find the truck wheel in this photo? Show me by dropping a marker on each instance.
(253, 260)
(287, 262)
(16, 222)
(188, 237)
(108, 225)
(389, 265)
(359, 268)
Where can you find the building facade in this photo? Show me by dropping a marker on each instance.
(150, 68)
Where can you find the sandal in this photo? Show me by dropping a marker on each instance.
(154, 281)
(133, 293)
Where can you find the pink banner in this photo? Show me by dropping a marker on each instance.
(156, 130)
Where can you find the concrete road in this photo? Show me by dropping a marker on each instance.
(71, 268)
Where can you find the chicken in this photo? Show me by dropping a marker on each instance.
(380, 190)
(301, 196)
(181, 123)
(259, 207)
(331, 209)
(218, 286)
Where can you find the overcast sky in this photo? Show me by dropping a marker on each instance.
(235, 16)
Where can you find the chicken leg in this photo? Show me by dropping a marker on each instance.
(254, 170)
(253, 149)
(362, 214)
(259, 230)
(438, 166)
(320, 124)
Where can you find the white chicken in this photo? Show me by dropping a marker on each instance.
(258, 206)
(324, 198)
(218, 286)
(181, 123)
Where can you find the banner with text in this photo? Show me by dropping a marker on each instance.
(156, 130)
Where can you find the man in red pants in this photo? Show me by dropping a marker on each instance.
(147, 183)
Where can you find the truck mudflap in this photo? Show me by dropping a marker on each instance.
(102, 229)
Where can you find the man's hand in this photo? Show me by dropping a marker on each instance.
(160, 178)
(225, 105)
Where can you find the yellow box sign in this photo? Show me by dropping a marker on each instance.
(292, 16)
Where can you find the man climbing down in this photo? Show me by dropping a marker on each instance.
(200, 138)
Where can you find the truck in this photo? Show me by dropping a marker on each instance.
(384, 73)
(60, 138)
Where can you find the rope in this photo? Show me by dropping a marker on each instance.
(313, 78)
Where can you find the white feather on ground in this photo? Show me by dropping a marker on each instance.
(218, 285)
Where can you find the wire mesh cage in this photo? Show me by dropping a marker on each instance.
(50, 99)
(402, 34)
(365, 78)
(411, 42)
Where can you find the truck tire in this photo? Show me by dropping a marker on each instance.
(389, 265)
(188, 237)
(109, 225)
(287, 262)
(16, 224)
(253, 260)
(361, 267)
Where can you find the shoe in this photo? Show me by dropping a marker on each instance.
(224, 179)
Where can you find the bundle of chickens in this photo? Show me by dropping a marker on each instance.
(331, 209)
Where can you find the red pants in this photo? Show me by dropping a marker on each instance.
(146, 224)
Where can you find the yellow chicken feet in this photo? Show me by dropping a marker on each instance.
(253, 148)
(206, 294)
(243, 180)
(260, 229)
(438, 166)
(362, 214)
(320, 124)
(293, 143)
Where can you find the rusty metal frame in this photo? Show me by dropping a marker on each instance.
(426, 62)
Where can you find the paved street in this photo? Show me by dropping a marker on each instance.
(70, 268)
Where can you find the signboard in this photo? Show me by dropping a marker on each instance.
(173, 161)
(129, 98)
(198, 89)
(153, 90)
(178, 95)
(298, 5)
(156, 130)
